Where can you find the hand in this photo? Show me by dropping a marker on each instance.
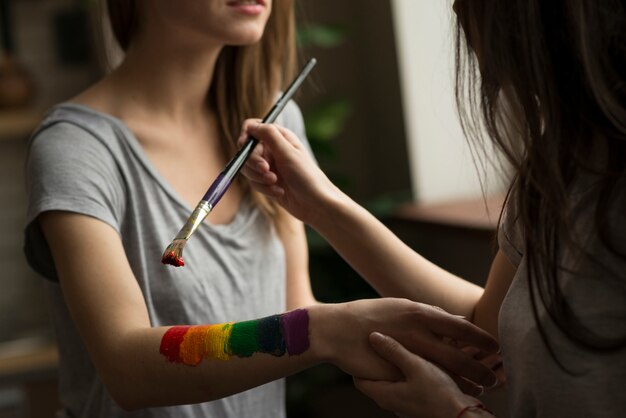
(281, 168)
(426, 391)
(491, 360)
(419, 327)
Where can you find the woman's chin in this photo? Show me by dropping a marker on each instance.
(244, 39)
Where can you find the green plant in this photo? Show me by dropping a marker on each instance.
(325, 120)
(323, 36)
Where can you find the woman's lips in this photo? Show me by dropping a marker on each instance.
(247, 7)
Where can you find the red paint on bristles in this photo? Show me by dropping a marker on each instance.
(172, 259)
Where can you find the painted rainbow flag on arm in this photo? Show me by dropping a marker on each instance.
(275, 335)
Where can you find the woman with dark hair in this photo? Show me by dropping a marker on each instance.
(113, 173)
(545, 81)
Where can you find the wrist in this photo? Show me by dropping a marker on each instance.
(470, 407)
(318, 333)
(331, 204)
(325, 320)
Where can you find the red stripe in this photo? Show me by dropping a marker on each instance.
(170, 343)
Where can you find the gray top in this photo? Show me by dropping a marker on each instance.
(537, 386)
(81, 160)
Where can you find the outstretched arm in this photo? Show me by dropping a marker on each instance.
(140, 366)
(281, 168)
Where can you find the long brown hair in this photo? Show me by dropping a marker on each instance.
(246, 78)
(545, 81)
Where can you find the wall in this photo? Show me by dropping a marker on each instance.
(371, 151)
(22, 306)
(441, 164)
(27, 360)
(37, 48)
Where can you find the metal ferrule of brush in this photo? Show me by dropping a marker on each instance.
(197, 217)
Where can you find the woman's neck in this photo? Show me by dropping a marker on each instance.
(166, 80)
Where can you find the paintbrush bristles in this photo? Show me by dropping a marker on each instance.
(173, 254)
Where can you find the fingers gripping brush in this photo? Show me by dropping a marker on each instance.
(173, 254)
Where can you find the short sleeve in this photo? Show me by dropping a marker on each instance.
(68, 169)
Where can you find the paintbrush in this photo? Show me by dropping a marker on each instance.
(173, 254)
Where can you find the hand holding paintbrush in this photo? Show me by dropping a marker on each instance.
(173, 254)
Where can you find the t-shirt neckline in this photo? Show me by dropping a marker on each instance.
(151, 169)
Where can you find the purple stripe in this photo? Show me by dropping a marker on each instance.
(295, 326)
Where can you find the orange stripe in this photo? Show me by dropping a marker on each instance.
(192, 349)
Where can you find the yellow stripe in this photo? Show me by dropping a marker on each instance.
(216, 341)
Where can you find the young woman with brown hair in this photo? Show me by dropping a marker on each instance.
(545, 81)
(112, 175)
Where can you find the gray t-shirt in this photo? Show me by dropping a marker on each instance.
(81, 160)
(537, 386)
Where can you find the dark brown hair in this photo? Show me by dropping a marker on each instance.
(246, 80)
(545, 81)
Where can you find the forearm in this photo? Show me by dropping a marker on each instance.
(388, 264)
(109, 311)
(297, 183)
(144, 367)
(177, 365)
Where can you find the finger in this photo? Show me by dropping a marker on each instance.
(457, 362)
(392, 351)
(460, 329)
(472, 351)
(274, 191)
(500, 373)
(492, 361)
(243, 135)
(271, 137)
(258, 163)
(256, 156)
(290, 136)
(467, 387)
(268, 178)
(256, 167)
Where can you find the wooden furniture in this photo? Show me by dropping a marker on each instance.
(458, 235)
(18, 123)
(29, 367)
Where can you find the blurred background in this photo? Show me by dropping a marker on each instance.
(382, 121)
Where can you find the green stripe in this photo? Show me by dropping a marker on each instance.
(243, 339)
